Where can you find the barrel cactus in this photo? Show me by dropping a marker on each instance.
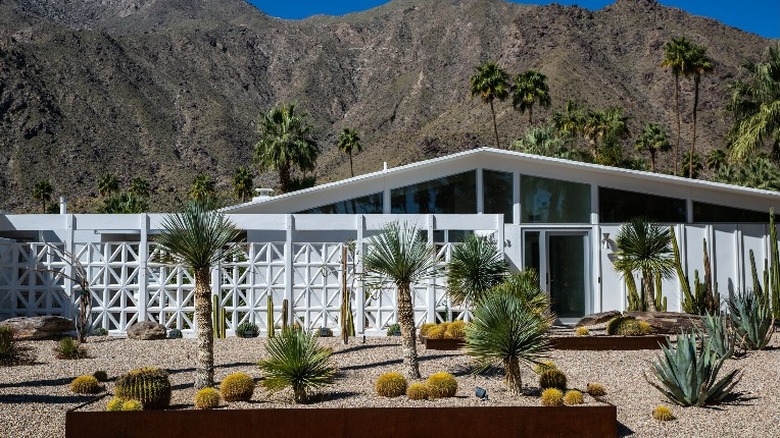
(417, 391)
(573, 397)
(237, 387)
(553, 378)
(391, 385)
(552, 397)
(150, 386)
(442, 385)
(207, 398)
(662, 413)
(85, 385)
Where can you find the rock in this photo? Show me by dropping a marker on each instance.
(597, 318)
(40, 327)
(147, 330)
(669, 322)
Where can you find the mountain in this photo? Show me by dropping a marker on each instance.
(166, 89)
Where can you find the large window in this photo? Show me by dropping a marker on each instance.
(454, 194)
(619, 206)
(547, 200)
(497, 193)
(720, 214)
(371, 204)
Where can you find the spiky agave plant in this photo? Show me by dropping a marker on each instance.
(296, 361)
(752, 320)
(476, 266)
(506, 332)
(688, 375)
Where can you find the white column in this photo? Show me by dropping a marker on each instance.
(360, 301)
(480, 191)
(288, 266)
(69, 246)
(431, 293)
(516, 207)
(143, 256)
(594, 205)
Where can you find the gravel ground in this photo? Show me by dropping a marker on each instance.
(34, 398)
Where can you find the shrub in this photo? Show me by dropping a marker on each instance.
(417, 391)
(552, 378)
(689, 376)
(247, 330)
(441, 385)
(573, 397)
(543, 366)
(150, 386)
(207, 398)
(68, 348)
(752, 318)
(115, 404)
(324, 332)
(645, 328)
(662, 413)
(11, 351)
(85, 385)
(552, 397)
(100, 375)
(596, 390)
(296, 361)
(425, 327)
(392, 329)
(132, 405)
(437, 331)
(581, 331)
(391, 385)
(175, 334)
(99, 331)
(237, 387)
(721, 339)
(623, 326)
(456, 330)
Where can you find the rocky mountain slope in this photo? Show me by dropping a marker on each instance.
(165, 89)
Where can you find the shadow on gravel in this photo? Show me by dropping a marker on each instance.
(330, 396)
(35, 383)
(623, 430)
(44, 398)
(391, 362)
(362, 347)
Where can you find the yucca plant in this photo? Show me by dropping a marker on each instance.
(525, 286)
(752, 320)
(721, 338)
(688, 375)
(475, 266)
(296, 361)
(506, 332)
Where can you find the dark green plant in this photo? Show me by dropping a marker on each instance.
(42, 191)
(175, 334)
(247, 330)
(324, 332)
(553, 378)
(203, 188)
(525, 286)
(529, 88)
(296, 361)
(99, 331)
(703, 298)
(506, 332)
(752, 320)
(688, 376)
(150, 386)
(393, 329)
(490, 82)
(653, 139)
(243, 184)
(68, 348)
(100, 375)
(476, 266)
(721, 338)
(349, 143)
(12, 352)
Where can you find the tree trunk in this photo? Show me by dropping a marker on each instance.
(351, 170)
(530, 115)
(284, 177)
(495, 126)
(677, 105)
(408, 331)
(204, 368)
(513, 379)
(299, 395)
(695, 107)
(647, 284)
(652, 159)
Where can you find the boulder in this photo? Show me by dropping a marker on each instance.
(597, 318)
(147, 330)
(669, 322)
(40, 327)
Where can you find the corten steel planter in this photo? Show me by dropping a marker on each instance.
(442, 344)
(526, 421)
(611, 342)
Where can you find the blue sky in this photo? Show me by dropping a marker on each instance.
(757, 16)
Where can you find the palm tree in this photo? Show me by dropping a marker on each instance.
(42, 192)
(490, 82)
(285, 142)
(653, 139)
(108, 184)
(691, 165)
(716, 158)
(676, 58)
(202, 188)
(603, 126)
(398, 256)
(139, 187)
(529, 88)
(476, 266)
(700, 64)
(760, 173)
(645, 247)
(242, 184)
(572, 121)
(349, 142)
(507, 332)
(756, 107)
(197, 239)
(543, 141)
(123, 203)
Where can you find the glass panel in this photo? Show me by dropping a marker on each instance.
(720, 214)
(371, 204)
(454, 194)
(497, 193)
(621, 206)
(547, 200)
(531, 259)
(567, 275)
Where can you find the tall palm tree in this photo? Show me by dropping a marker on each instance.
(601, 126)
(139, 187)
(653, 139)
(286, 142)
(676, 54)
(202, 188)
(349, 142)
(108, 184)
(570, 122)
(645, 247)
(491, 83)
(700, 64)
(42, 192)
(755, 104)
(475, 267)
(530, 88)
(197, 239)
(543, 141)
(400, 257)
(242, 184)
(691, 165)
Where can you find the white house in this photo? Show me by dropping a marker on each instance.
(557, 216)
